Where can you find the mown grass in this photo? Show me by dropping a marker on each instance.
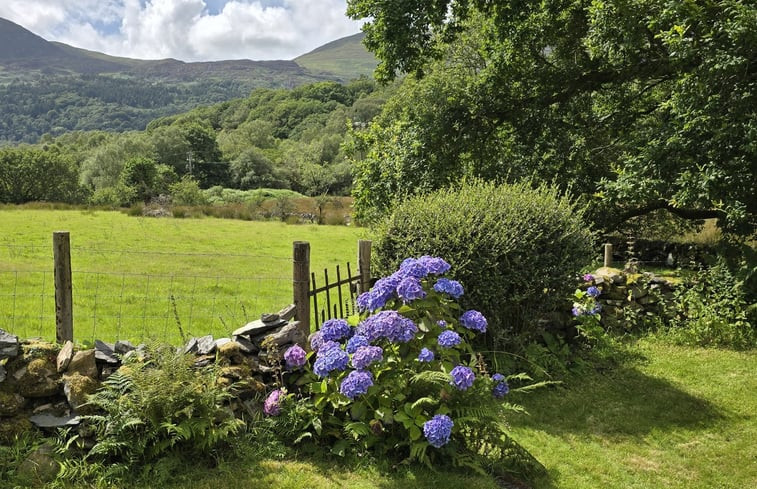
(677, 417)
(133, 276)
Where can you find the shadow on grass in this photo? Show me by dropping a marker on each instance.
(621, 402)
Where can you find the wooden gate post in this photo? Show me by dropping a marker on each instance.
(64, 304)
(364, 264)
(301, 285)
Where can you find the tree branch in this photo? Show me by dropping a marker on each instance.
(684, 213)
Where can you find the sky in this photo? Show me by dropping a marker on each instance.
(189, 30)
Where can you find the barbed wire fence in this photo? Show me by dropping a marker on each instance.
(136, 306)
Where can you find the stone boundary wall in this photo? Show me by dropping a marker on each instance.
(46, 385)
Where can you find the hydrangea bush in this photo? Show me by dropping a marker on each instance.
(402, 377)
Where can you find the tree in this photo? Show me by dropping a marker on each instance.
(641, 105)
(140, 174)
(28, 175)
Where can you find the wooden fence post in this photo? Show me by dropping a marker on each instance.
(301, 284)
(608, 254)
(364, 264)
(64, 305)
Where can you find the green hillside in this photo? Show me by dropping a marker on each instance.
(346, 58)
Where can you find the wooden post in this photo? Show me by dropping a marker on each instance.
(301, 285)
(608, 254)
(64, 304)
(364, 264)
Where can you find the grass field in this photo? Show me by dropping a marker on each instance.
(132, 276)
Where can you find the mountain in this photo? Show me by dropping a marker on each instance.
(51, 88)
(343, 57)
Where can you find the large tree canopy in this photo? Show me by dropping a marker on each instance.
(640, 104)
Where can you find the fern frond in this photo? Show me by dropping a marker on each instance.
(430, 377)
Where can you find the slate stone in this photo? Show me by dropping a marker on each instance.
(104, 352)
(288, 312)
(245, 345)
(290, 333)
(64, 356)
(11, 403)
(76, 388)
(83, 363)
(122, 347)
(3, 373)
(191, 346)
(222, 341)
(8, 345)
(204, 361)
(39, 467)
(51, 421)
(255, 328)
(269, 317)
(206, 345)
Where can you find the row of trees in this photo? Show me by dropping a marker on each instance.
(636, 105)
(291, 139)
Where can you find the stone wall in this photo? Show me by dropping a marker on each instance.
(46, 385)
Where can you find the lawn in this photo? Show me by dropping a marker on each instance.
(134, 276)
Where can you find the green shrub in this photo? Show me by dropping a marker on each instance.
(150, 408)
(515, 248)
(119, 195)
(711, 310)
(187, 192)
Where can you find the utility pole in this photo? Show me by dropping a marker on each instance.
(189, 162)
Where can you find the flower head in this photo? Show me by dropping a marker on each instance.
(335, 330)
(588, 277)
(448, 338)
(449, 287)
(593, 291)
(410, 289)
(356, 342)
(272, 404)
(474, 320)
(316, 340)
(356, 383)
(294, 357)
(438, 429)
(388, 324)
(434, 265)
(331, 359)
(366, 355)
(462, 377)
(500, 386)
(411, 267)
(379, 295)
(325, 347)
(426, 355)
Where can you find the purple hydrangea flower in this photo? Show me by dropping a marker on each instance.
(462, 377)
(316, 340)
(449, 287)
(294, 357)
(379, 295)
(434, 265)
(356, 342)
(356, 383)
(442, 323)
(438, 429)
(500, 387)
(411, 267)
(597, 308)
(577, 310)
(448, 338)
(388, 324)
(426, 355)
(474, 320)
(325, 347)
(366, 355)
(272, 404)
(410, 289)
(332, 359)
(335, 330)
(593, 291)
(588, 277)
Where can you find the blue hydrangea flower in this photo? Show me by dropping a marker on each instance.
(453, 288)
(474, 320)
(442, 323)
(335, 330)
(577, 309)
(462, 377)
(356, 383)
(593, 291)
(366, 355)
(382, 291)
(426, 355)
(597, 308)
(448, 339)
(356, 342)
(325, 347)
(411, 267)
(331, 360)
(434, 265)
(438, 429)
(294, 357)
(388, 324)
(410, 289)
(500, 386)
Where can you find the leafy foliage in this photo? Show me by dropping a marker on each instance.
(515, 249)
(32, 174)
(639, 106)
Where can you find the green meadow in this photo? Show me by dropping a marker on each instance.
(141, 278)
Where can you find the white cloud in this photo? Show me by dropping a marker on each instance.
(186, 29)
